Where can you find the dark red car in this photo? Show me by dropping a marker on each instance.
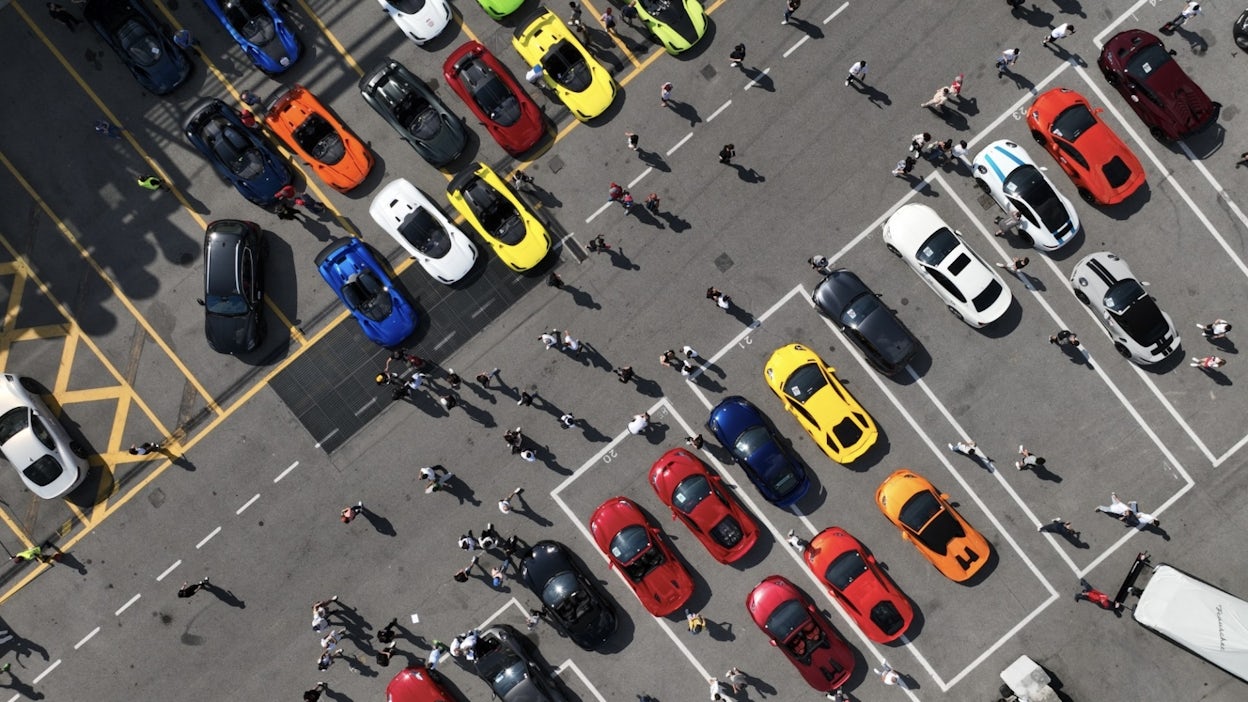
(507, 112)
(697, 496)
(417, 684)
(852, 576)
(636, 547)
(1170, 103)
(797, 627)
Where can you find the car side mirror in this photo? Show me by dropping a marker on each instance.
(773, 642)
(944, 497)
(201, 302)
(1172, 52)
(1098, 110)
(905, 536)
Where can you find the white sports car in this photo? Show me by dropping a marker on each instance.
(1137, 326)
(420, 20)
(970, 287)
(1009, 175)
(35, 443)
(408, 216)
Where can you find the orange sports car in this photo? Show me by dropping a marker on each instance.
(1104, 170)
(927, 520)
(312, 131)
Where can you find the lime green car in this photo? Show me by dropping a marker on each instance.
(499, 9)
(676, 24)
(578, 80)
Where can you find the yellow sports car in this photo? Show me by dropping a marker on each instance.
(811, 392)
(496, 212)
(927, 520)
(568, 69)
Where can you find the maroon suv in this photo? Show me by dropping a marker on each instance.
(1170, 103)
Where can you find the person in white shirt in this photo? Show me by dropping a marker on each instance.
(857, 72)
(1061, 31)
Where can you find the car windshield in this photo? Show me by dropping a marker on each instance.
(567, 66)
(232, 148)
(1028, 184)
(1144, 62)
(1136, 313)
(143, 47)
(44, 471)
(408, 7)
(859, 309)
(497, 215)
(987, 296)
(425, 233)
(792, 625)
(690, 493)
(365, 294)
(226, 305)
(490, 94)
(13, 422)
(418, 116)
(845, 569)
(251, 19)
(1073, 121)
(632, 548)
(563, 596)
(318, 138)
(805, 382)
(505, 672)
(928, 519)
(937, 247)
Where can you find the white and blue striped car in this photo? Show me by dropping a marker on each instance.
(1015, 182)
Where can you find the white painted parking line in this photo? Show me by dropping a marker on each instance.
(805, 38)
(126, 606)
(485, 306)
(838, 11)
(364, 407)
(679, 144)
(325, 438)
(247, 504)
(637, 180)
(720, 109)
(600, 210)
(168, 570)
(208, 538)
(1223, 194)
(83, 641)
(444, 341)
(570, 664)
(289, 468)
(757, 78)
(45, 672)
(1099, 39)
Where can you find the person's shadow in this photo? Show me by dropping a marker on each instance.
(654, 160)
(757, 77)
(380, 523)
(22, 688)
(685, 111)
(875, 96)
(748, 175)
(582, 298)
(226, 596)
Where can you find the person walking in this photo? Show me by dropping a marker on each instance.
(462, 575)
(453, 379)
(798, 543)
(721, 300)
(819, 264)
(348, 514)
(1059, 526)
(888, 676)
(955, 88)
(696, 441)
(437, 654)
(1208, 363)
(737, 56)
(904, 167)
(629, 13)
(695, 622)
(574, 17)
(727, 153)
(567, 421)
(938, 100)
(1064, 337)
(571, 343)
(526, 400)
(521, 180)
(652, 203)
(736, 678)
(189, 590)
(962, 153)
(1008, 224)
(250, 99)
(106, 128)
(305, 200)
(665, 95)
(857, 72)
(183, 39)
(320, 614)
(468, 542)
(150, 182)
(1016, 265)
(969, 449)
(790, 6)
(314, 695)
(504, 505)
(689, 352)
(1061, 31)
(1189, 11)
(145, 448)
(624, 373)
(632, 139)
(918, 143)
(1091, 594)
(60, 14)
(608, 20)
(1215, 330)
(549, 339)
(1006, 61)
(1027, 459)
(626, 201)
(717, 690)
(668, 358)
(484, 378)
(639, 423)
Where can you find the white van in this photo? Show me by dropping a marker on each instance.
(1191, 613)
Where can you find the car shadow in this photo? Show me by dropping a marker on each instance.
(1132, 205)
(1008, 322)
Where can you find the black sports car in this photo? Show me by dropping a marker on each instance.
(857, 311)
(242, 156)
(574, 605)
(141, 42)
(507, 661)
(233, 286)
(413, 110)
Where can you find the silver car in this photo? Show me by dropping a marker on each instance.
(1137, 326)
(34, 442)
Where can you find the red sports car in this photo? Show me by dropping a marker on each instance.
(798, 628)
(852, 576)
(1155, 86)
(697, 496)
(416, 684)
(636, 546)
(507, 112)
(1104, 170)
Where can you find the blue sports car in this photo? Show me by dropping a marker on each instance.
(351, 269)
(242, 156)
(142, 43)
(746, 433)
(261, 31)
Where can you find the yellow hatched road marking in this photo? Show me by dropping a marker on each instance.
(618, 42)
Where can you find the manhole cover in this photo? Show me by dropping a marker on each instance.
(723, 262)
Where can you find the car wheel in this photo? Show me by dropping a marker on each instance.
(1026, 238)
(1038, 137)
(30, 385)
(955, 313)
(893, 250)
(78, 449)
(983, 186)
(1082, 297)
(1158, 134)
(1111, 78)
(1122, 349)
(1087, 196)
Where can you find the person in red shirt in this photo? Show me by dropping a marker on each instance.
(1097, 597)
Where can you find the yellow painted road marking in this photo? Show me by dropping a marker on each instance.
(614, 37)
